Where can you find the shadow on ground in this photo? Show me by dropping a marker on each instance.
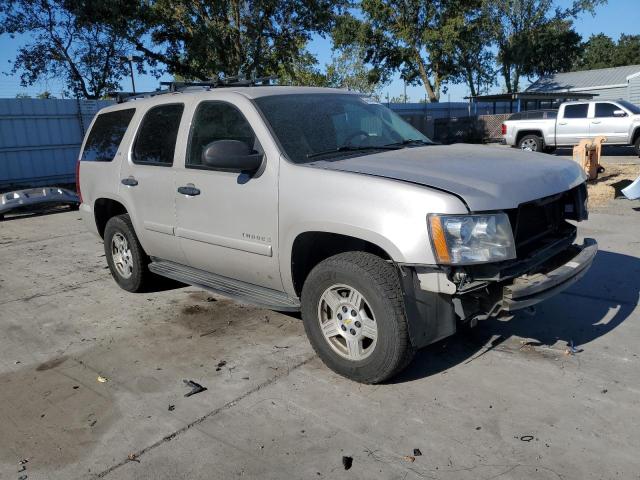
(593, 307)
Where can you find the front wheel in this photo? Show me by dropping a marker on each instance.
(531, 143)
(636, 145)
(353, 314)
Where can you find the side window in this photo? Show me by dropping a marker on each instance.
(217, 121)
(606, 110)
(106, 134)
(576, 111)
(156, 140)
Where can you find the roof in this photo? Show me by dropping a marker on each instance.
(585, 80)
(526, 95)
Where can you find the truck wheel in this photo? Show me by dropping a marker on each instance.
(637, 145)
(530, 143)
(353, 313)
(125, 256)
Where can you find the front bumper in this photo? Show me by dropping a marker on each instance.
(527, 290)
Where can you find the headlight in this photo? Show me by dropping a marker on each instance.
(469, 239)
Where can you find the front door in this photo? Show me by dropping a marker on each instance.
(604, 123)
(573, 124)
(147, 181)
(227, 222)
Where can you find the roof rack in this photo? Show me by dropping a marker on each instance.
(174, 87)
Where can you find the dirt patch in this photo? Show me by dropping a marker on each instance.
(49, 364)
(608, 184)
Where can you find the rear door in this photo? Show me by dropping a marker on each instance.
(604, 123)
(147, 180)
(573, 124)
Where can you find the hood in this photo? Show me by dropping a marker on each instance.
(486, 178)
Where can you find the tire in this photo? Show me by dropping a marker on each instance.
(130, 271)
(549, 150)
(532, 143)
(341, 279)
(636, 145)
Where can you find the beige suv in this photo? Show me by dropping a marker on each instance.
(324, 201)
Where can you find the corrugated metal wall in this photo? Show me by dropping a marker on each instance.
(616, 93)
(40, 139)
(634, 90)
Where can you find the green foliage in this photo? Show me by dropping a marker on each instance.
(600, 51)
(413, 37)
(85, 55)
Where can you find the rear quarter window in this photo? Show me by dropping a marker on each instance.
(576, 111)
(106, 134)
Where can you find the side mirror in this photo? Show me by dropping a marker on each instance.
(619, 113)
(231, 155)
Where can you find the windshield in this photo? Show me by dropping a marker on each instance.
(634, 109)
(324, 125)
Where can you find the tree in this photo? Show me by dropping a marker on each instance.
(522, 27)
(416, 38)
(348, 70)
(201, 39)
(86, 56)
(600, 51)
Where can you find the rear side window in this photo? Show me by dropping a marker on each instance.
(156, 140)
(106, 134)
(217, 121)
(576, 111)
(606, 110)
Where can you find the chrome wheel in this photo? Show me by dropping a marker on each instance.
(121, 255)
(347, 322)
(530, 145)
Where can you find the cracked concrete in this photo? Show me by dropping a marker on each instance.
(273, 410)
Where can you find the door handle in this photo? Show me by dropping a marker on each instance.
(189, 190)
(599, 121)
(562, 123)
(129, 182)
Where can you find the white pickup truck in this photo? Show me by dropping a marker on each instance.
(618, 121)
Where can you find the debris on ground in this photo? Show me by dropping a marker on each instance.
(572, 349)
(604, 390)
(409, 458)
(172, 408)
(133, 457)
(526, 438)
(221, 364)
(608, 186)
(277, 346)
(347, 462)
(102, 379)
(195, 387)
(417, 452)
(632, 192)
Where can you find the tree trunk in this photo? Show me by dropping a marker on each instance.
(433, 98)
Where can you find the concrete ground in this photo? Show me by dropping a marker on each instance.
(501, 401)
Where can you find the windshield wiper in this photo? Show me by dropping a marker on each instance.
(410, 141)
(350, 148)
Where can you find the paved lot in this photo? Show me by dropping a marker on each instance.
(502, 401)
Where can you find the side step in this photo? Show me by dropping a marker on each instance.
(236, 289)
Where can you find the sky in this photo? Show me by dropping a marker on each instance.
(613, 19)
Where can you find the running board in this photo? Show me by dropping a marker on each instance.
(235, 289)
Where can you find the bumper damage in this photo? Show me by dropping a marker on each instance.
(37, 199)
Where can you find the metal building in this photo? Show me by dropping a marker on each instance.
(40, 139)
(605, 83)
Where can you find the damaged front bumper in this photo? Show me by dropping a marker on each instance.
(527, 290)
(36, 199)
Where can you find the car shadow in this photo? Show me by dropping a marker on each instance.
(591, 308)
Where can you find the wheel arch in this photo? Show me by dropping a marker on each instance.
(311, 247)
(105, 208)
(523, 133)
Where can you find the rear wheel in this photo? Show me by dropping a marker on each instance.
(127, 260)
(530, 143)
(637, 145)
(353, 313)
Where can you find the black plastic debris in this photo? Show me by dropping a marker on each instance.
(347, 462)
(195, 387)
(221, 364)
(417, 452)
(526, 438)
(172, 408)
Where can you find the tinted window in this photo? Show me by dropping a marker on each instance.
(606, 109)
(156, 140)
(217, 121)
(106, 135)
(576, 111)
(308, 125)
(634, 109)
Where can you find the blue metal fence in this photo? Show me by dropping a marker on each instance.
(40, 139)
